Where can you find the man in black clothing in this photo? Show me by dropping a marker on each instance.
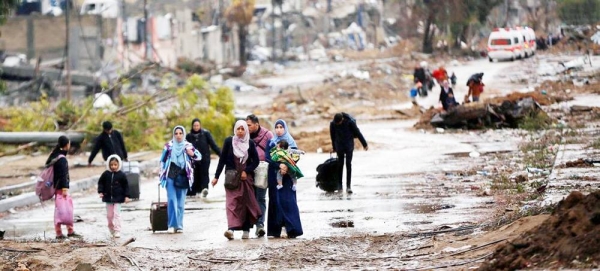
(111, 142)
(203, 142)
(343, 130)
(420, 75)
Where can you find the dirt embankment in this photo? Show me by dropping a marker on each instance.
(570, 238)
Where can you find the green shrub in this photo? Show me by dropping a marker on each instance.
(145, 124)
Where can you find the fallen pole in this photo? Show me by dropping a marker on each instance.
(39, 137)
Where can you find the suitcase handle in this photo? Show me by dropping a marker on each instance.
(159, 194)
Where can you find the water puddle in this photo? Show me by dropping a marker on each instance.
(467, 154)
(428, 208)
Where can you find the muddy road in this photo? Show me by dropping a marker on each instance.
(407, 182)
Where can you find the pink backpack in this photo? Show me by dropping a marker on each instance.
(45, 187)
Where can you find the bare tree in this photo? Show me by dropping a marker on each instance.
(241, 12)
(539, 14)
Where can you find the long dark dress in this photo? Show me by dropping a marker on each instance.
(283, 207)
(241, 205)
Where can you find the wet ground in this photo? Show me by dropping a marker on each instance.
(409, 181)
(404, 184)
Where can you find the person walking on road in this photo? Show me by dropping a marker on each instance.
(239, 154)
(261, 137)
(283, 218)
(63, 204)
(176, 175)
(343, 130)
(203, 142)
(113, 189)
(475, 85)
(110, 141)
(420, 76)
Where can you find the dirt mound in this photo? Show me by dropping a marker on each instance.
(576, 163)
(570, 238)
(424, 121)
(539, 97)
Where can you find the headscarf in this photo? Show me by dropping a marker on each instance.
(241, 145)
(285, 135)
(118, 161)
(192, 128)
(178, 148)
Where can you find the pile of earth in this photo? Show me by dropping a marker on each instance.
(569, 238)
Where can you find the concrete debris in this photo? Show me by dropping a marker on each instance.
(15, 60)
(101, 100)
(238, 85)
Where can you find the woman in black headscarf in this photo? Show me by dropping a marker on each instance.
(58, 160)
(203, 142)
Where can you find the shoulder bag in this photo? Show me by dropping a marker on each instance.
(232, 179)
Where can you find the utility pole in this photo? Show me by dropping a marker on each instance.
(68, 57)
(125, 36)
(273, 55)
(506, 13)
(222, 27)
(147, 36)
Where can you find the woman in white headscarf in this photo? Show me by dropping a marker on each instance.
(176, 175)
(239, 153)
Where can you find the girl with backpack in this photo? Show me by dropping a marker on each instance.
(63, 205)
(113, 188)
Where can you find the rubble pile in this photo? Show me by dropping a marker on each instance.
(576, 163)
(362, 91)
(507, 111)
(569, 238)
(403, 48)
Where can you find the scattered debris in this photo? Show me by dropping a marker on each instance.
(129, 241)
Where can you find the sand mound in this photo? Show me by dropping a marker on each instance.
(570, 238)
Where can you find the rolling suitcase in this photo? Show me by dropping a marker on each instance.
(158, 215)
(132, 171)
(327, 175)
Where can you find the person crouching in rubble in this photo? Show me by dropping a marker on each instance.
(447, 96)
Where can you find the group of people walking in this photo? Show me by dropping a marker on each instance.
(184, 166)
(424, 82)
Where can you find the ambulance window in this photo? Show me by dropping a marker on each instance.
(516, 40)
(500, 42)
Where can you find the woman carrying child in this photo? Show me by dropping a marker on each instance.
(284, 155)
(283, 218)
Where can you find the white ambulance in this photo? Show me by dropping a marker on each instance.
(528, 40)
(531, 37)
(505, 43)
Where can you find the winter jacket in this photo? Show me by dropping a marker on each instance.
(227, 158)
(420, 75)
(261, 139)
(61, 170)
(447, 101)
(342, 135)
(203, 142)
(110, 144)
(113, 185)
